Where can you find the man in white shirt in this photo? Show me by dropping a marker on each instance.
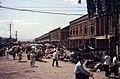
(7, 52)
(115, 66)
(55, 58)
(80, 72)
(107, 63)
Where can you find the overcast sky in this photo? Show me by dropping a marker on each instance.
(31, 25)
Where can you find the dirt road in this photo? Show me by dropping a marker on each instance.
(12, 69)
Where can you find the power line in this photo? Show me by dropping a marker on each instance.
(46, 7)
(37, 11)
(54, 8)
(49, 9)
(65, 10)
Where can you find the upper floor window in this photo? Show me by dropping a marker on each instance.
(85, 30)
(80, 31)
(76, 30)
(92, 29)
(73, 31)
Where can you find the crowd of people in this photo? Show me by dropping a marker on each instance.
(33, 53)
(110, 65)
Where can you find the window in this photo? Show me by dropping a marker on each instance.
(73, 31)
(92, 29)
(80, 31)
(77, 30)
(85, 29)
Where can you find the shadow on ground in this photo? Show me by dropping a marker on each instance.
(42, 61)
(23, 61)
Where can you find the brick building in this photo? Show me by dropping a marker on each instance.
(43, 39)
(55, 36)
(81, 33)
(64, 36)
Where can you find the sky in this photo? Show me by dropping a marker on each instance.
(31, 25)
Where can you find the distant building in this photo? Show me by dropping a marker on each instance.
(83, 33)
(43, 39)
(55, 36)
(65, 36)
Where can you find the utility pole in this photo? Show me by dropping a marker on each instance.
(117, 30)
(16, 36)
(10, 33)
(106, 14)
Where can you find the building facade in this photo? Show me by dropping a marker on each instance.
(43, 39)
(64, 37)
(55, 36)
(81, 32)
(96, 32)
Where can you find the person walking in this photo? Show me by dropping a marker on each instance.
(14, 51)
(32, 58)
(107, 63)
(20, 56)
(55, 57)
(28, 51)
(115, 66)
(20, 51)
(81, 72)
(7, 52)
